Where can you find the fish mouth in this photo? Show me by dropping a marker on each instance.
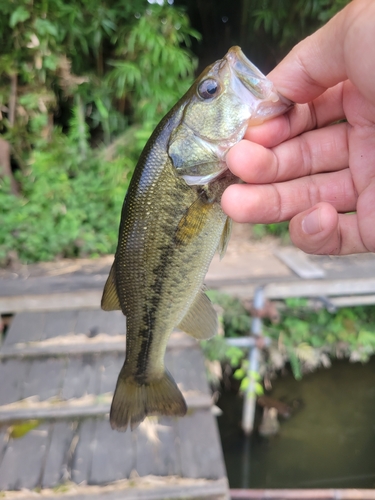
(254, 89)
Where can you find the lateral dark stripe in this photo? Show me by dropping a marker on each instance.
(151, 308)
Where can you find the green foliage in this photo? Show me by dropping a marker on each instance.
(281, 230)
(305, 337)
(308, 337)
(152, 65)
(286, 22)
(67, 209)
(236, 320)
(247, 378)
(75, 75)
(216, 349)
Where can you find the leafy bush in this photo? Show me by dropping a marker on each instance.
(286, 23)
(306, 338)
(70, 203)
(280, 229)
(235, 319)
(83, 84)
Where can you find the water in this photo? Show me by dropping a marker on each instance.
(328, 443)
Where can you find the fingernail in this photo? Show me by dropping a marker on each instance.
(311, 223)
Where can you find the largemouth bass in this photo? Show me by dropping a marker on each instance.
(171, 226)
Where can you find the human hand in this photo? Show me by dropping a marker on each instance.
(303, 166)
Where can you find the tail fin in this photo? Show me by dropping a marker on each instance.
(133, 402)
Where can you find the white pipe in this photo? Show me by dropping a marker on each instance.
(248, 412)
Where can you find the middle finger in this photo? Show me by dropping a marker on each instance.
(269, 203)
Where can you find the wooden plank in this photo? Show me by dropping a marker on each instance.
(82, 377)
(3, 441)
(63, 349)
(23, 460)
(200, 450)
(300, 263)
(45, 378)
(97, 321)
(49, 285)
(189, 370)
(82, 458)
(148, 489)
(305, 494)
(76, 378)
(317, 288)
(88, 299)
(113, 454)
(25, 327)
(157, 448)
(92, 373)
(82, 299)
(54, 411)
(109, 368)
(59, 323)
(13, 373)
(353, 300)
(89, 346)
(92, 322)
(56, 466)
(116, 323)
(77, 408)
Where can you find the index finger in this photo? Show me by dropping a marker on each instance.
(324, 110)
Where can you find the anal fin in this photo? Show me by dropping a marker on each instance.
(201, 320)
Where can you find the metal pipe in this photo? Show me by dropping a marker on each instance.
(248, 412)
(245, 342)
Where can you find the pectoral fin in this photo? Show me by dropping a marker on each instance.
(225, 237)
(201, 320)
(110, 300)
(192, 222)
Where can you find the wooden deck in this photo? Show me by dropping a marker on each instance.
(59, 368)
(282, 271)
(60, 360)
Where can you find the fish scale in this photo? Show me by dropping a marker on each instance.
(172, 224)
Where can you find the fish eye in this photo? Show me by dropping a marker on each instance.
(208, 88)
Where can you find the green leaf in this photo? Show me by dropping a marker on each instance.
(239, 374)
(101, 108)
(259, 389)
(244, 384)
(45, 27)
(19, 16)
(20, 430)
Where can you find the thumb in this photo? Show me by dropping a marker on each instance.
(321, 230)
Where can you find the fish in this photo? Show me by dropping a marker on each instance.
(171, 226)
